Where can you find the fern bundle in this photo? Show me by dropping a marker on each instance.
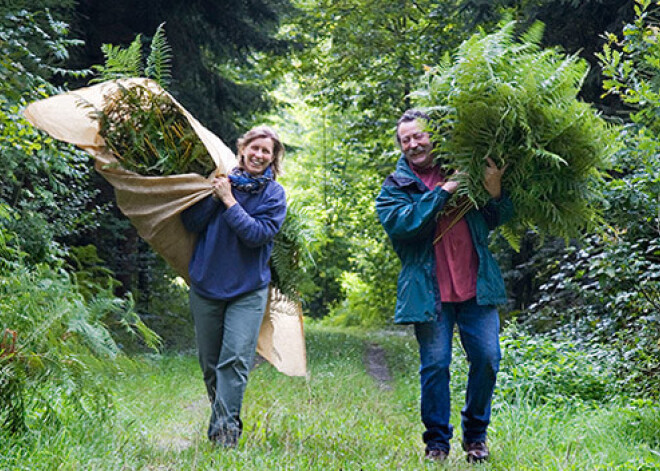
(512, 101)
(146, 130)
(150, 135)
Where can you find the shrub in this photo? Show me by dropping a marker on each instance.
(543, 369)
(51, 370)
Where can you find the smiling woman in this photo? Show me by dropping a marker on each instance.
(229, 273)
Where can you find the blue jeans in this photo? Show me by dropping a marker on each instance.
(226, 334)
(478, 327)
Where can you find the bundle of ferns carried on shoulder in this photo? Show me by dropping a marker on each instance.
(149, 135)
(509, 99)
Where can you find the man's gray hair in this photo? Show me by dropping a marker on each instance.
(410, 115)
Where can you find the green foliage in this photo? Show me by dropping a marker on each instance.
(215, 46)
(292, 251)
(631, 65)
(128, 62)
(53, 368)
(541, 369)
(159, 58)
(34, 47)
(51, 376)
(45, 185)
(120, 62)
(512, 101)
(363, 57)
(357, 308)
(327, 171)
(36, 237)
(608, 291)
(10, 256)
(607, 288)
(89, 271)
(144, 128)
(162, 302)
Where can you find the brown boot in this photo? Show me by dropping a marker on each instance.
(476, 451)
(436, 455)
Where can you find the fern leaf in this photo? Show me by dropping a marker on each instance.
(291, 251)
(160, 58)
(120, 62)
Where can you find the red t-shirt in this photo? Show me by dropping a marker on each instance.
(456, 261)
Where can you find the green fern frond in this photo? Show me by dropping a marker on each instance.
(120, 62)
(291, 251)
(160, 58)
(95, 335)
(533, 35)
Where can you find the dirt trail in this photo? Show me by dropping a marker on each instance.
(376, 365)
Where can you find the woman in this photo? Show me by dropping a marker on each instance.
(229, 273)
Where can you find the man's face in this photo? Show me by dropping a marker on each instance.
(415, 143)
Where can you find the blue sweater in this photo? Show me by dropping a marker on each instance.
(234, 245)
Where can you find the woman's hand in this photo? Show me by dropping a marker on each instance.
(222, 191)
(493, 178)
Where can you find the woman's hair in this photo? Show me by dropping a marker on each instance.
(259, 132)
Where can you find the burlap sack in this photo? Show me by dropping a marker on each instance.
(153, 204)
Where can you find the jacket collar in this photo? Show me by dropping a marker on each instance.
(403, 176)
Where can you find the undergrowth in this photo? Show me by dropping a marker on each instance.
(340, 418)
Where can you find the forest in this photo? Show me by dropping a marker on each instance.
(95, 327)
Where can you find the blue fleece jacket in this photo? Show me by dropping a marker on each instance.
(234, 245)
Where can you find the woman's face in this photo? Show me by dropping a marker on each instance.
(258, 155)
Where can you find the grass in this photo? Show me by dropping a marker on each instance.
(338, 418)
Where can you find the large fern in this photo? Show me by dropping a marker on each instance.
(129, 62)
(62, 344)
(149, 134)
(511, 100)
(145, 129)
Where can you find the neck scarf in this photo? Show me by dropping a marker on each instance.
(242, 180)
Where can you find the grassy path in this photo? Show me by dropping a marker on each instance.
(340, 418)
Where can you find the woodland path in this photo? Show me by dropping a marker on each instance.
(375, 363)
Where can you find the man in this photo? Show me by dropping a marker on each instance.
(448, 277)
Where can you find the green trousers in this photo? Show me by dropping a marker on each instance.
(226, 334)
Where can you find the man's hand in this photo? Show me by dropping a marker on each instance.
(493, 178)
(451, 185)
